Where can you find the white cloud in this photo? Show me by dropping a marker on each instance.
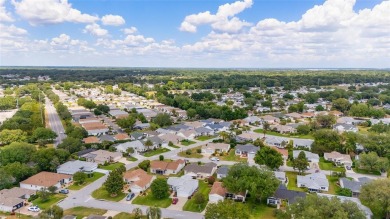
(224, 20)
(130, 30)
(95, 30)
(113, 20)
(5, 16)
(50, 12)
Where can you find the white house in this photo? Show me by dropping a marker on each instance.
(184, 186)
(314, 158)
(13, 199)
(71, 167)
(138, 180)
(315, 182)
(338, 158)
(211, 148)
(46, 180)
(217, 193)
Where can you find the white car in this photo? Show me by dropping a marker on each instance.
(214, 159)
(34, 208)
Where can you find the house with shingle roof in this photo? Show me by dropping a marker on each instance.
(211, 148)
(282, 193)
(74, 166)
(338, 158)
(315, 182)
(138, 180)
(45, 180)
(217, 193)
(183, 186)
(353, 185)
(121, 137)
(14, 198)
(166, 168)
(312, 157)
(137, 145)
(175, 139)
(91, 140)
(200, 171)
(222, 171)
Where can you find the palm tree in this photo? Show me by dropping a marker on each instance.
(148, 144)
(153, 213)
(223, 135)
(137, 213)
(266, 127)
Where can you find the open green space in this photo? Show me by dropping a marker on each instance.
(292, 182)
(155, 152)
(112, 166)
(327, 165)
(81, 212)
(88, 181)
(149, 200)
(187, 142)
(101, 193)
(193, 154)
(332, 184)
(53, 199)
(231, 156)
(190, 205)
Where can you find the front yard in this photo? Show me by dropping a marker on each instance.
(205, 138)
(53, 199)
(364, 171)
(124, 215)
(88, 181)
(292, 182)
(101, 193)
(259, 210)
(131, 158)
(269, 132)
(112, 166)
(150, 200)
(327, 165)
(191, 153)
(231, 156)
(187, 142)
(82, 212)
(155, 152)
(190, 204)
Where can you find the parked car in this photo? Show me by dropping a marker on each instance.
(174, 201)
(64, 191)
(130, 196)
(34, 208)
(348, 167)
(214, 159)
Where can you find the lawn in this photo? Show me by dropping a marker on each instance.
(194, 153)
(332, 184)
(111, 166)
(174, 146)
(204, 138)
(292, 182)
(82, 212)
(88, 181)
(53, 199)
(259, 210)
(125, 215)
(130, 158)
(101, 193)
(190, 204)
(155, 152)
(327, 165)
(187, 142)
(289, 163)
(269, 132)
(232, 157)
(149, 200)
(364, 171)
(16, 216)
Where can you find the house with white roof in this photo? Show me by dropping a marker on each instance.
(184, 186)
(315, 182)
(137, 145)
(314, 158)
(74, 166)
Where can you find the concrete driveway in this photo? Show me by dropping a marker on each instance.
(179, 205)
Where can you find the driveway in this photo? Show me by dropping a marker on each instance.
(179, 205)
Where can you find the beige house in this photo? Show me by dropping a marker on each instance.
(102, 156)
(138, 180)
(166, 168)
(211, 148)
(46, 180)
(338, 158)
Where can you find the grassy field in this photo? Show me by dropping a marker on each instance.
(292, 182)
(259, 210)
(327, 165)
(124, 215)
(95, 177)
(82, 212)
(155, 152)
(204, 138)
(232, 157)
(53, 199)
(111, 166)
(101, 193)
(194, 153)
(308, 136)
(187, 142)
(190, 204)
(149, 200)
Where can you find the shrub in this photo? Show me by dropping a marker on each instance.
(188, 152)
(199, 150)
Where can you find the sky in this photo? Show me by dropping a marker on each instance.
(196, 33)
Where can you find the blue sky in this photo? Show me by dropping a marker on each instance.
(196, 33)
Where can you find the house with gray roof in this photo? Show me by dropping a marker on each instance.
(200, 171)
(137, 145)
(201, 131)
(109, 138)
(353, 185)
(184, 186)
(222, 171)
(314, 158)
(343, 127)
(244, 150)
(315, 182)
(252, 119)
(306, 143)
(74, 166)
(14, 198)
(282, 193)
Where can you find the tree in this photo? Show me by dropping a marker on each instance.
(301, 162)
(8, 136)
(326, 141)
(114, 183)
(259, 143)
(48, 159)
(376, 196)
(227, 210)
(344, 192)
(103, 108)
(17, 152)
(54, 212)
(79, 177)
(325, 121)
(162, 119)
(71, 144)
(144, 165)
(259, 183)
(137, 213)
(97, 112)
(269, 157)
(148, 144)
(153, 213)
(161, 157)
(373, 162)
(191, 113)
(130, 150)
(160, 188)
(303, 129)
(76, 132)
(266, 127)
(314, 206)
(211, 180)
(43, 134)
(6, 180)
(19, 171)
(52, 189)
(199, 199)
(341, 104)
(44, 194)
(126, 123)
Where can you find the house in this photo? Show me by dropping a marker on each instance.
(250, 136)
(252, 120)
(353, 185)
(336, 113)
(137, 145)
(91, 140)
(13, 199)
(245, 150)
(194, 124)
(269, 119)
(283, 129)
(102, 156)
(305, 143)
(137, 136)
(157, 142)
(200, 171)
(175, 139)
(138, 180)
(338, 158)
(184, 186)
(343, 127)
(202, 131)
(118, 113)
(121, 137)
(72, 167)
(166, 168)
(45, 180)
(281, 176)
(294, 116)
(314, 158)
(211, 148)
(217, 193)
(105, 137)
(282, 193)
(315, 182)
(187, 134)
(95, 128)
(279, 142)
(222, 171)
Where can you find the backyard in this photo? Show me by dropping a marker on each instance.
(190, 153)
(82, 212)
(205, 137)
(88, 181)
(365, 171)
(112, 166)
(190, 205)
(327, 165)
(292, 182)
(53, 199)
(155, 152)
(231, 156)
(259, 210)
(332, 184)
(101, 193)
(150, 200)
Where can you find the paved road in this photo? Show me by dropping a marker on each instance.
(54, 122)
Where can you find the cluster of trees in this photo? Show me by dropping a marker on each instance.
(203, 96)
(376, 196)
(89, 104)
(7, 103)
(129, 122)
(269, 157)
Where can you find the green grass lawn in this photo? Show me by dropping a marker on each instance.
(269, 132)
(174, 146)
(232, 157)
(289, 163)
(130, 158)
(149, 200)
(332, 184)
(82, 212)
(194, 153)
(101, 193)
(155, 152)
(124, 215)
(292, 182)
(111, 166)
(204, 138)
(259, 210)
(190, 204)
(95, 176)
(17, 215)
(364, 171)
(53, 199)
(327, 165)
(187, 142)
